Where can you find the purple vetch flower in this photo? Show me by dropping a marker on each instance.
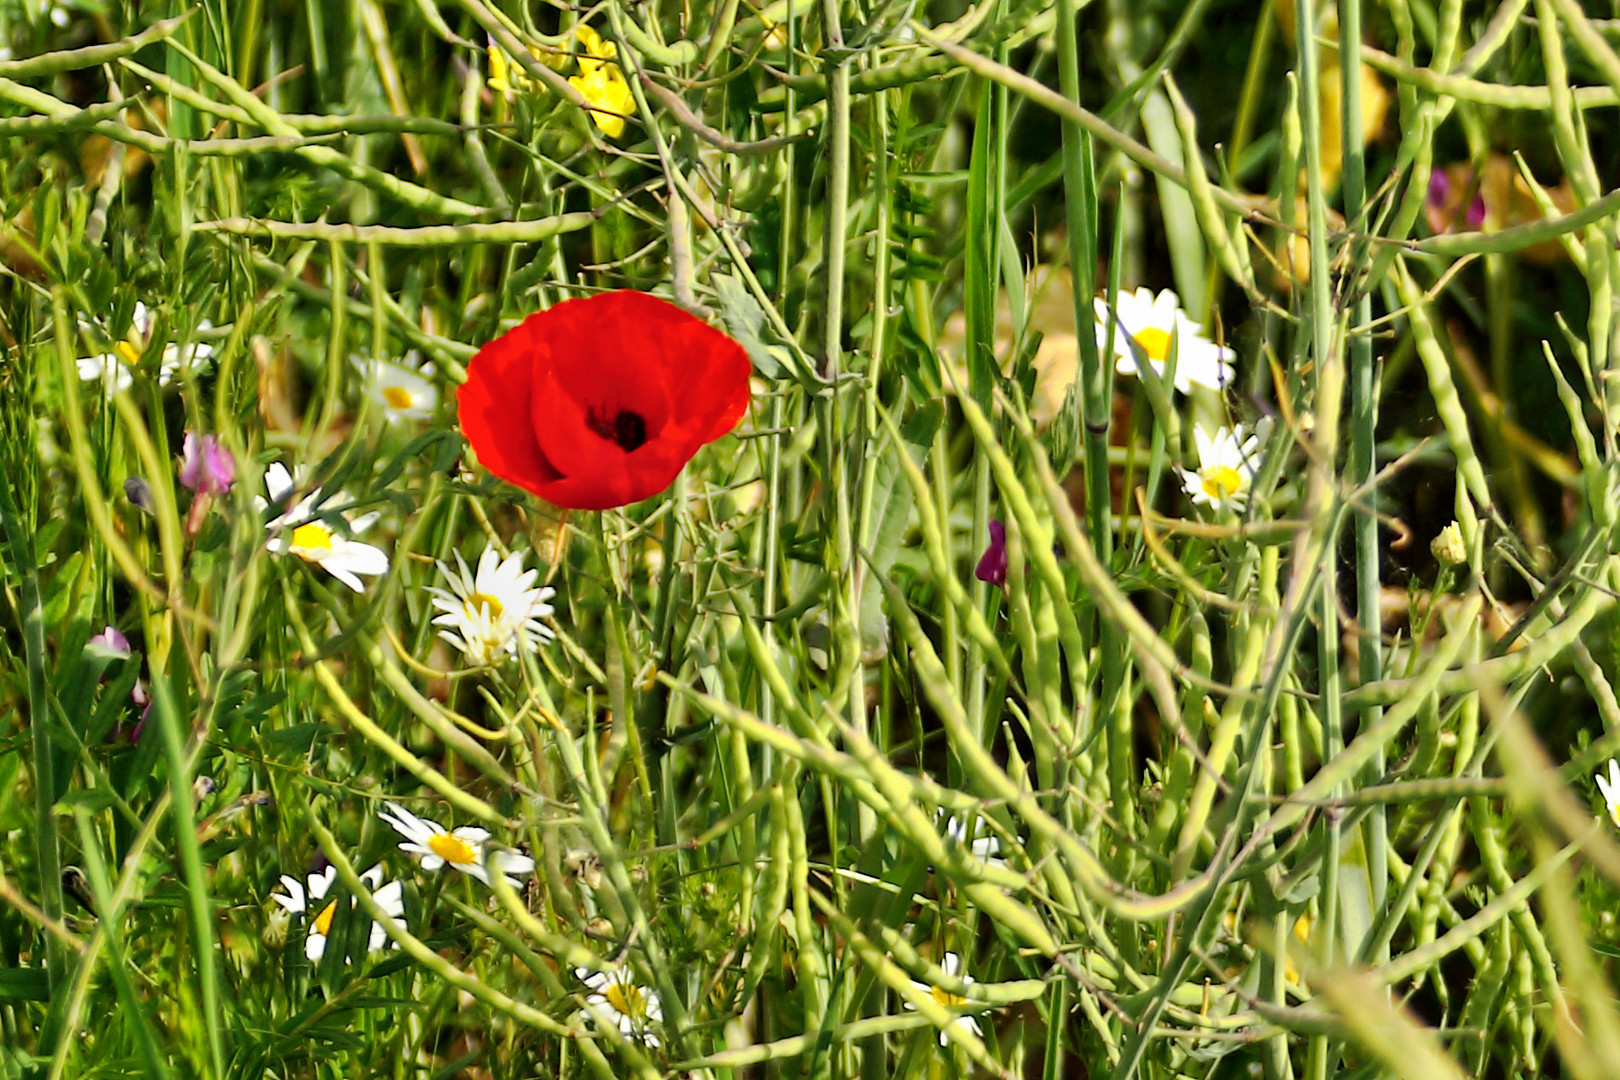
(205, 466)
(992, 566)
(139, 695)
(1439, 187)
(1448, 188)
(112, 639)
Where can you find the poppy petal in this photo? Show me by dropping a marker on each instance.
(600, 401)
(493, 405)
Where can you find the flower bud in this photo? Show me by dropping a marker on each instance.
(1448, 547)
(992, 567)
(139, 492)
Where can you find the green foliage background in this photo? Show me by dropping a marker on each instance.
(1276, 793)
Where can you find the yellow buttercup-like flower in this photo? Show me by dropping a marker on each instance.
(597, 48)
(602, 84)
(508, 78)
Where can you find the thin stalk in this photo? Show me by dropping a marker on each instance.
(46, 842)
(1361, 466)
(1321, 1055)
(192, 871)
(1080, 200)
(850, 671)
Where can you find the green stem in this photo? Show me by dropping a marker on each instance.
(1361, 466)
(46, 842)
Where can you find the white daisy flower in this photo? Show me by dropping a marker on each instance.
(463, 848)
(300, 532)
(617, 1000)
(951, 964)
(110, 370)
(1227, 463)
(1151, 323)
(192, 356)
(298, 901)
(400, 390)
(1610, 789)
(985, 848)
(490, 614)
(113, 369)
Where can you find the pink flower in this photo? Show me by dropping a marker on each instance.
(205, 466)
(112, 639)
(1454, 193)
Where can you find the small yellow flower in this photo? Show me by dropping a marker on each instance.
(597, 48)
(602, 84)
(508, 78)
(505, 77)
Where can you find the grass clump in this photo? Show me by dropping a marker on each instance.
(1149, 612)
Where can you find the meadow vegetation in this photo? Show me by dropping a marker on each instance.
(1131, 593)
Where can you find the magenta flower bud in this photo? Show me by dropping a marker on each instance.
(205, 466)
(992, 566)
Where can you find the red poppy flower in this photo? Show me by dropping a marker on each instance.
(599, 402)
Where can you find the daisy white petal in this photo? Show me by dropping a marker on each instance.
(984, 846)
(294, 900)
(618, 1001)
(191, 357)
(398, 389)
(1610, 789)
(1151, 324)
(320, 913)
(300, 532)
(491, 614)
(278, 482)
(951, 964)
(464, 848)
(391, 898)
(1227, 463)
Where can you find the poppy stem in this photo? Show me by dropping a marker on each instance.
(619, 665)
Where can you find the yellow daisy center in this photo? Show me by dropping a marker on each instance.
(945, 999)
(323, 921)
(1154, 342)
(311, 537)
(1221, 481)
(129, 351)
(397, 397)
(1614, 813)
(453, 849)
(483, 599)
(627, 998)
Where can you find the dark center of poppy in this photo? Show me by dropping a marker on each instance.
(625, 429)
